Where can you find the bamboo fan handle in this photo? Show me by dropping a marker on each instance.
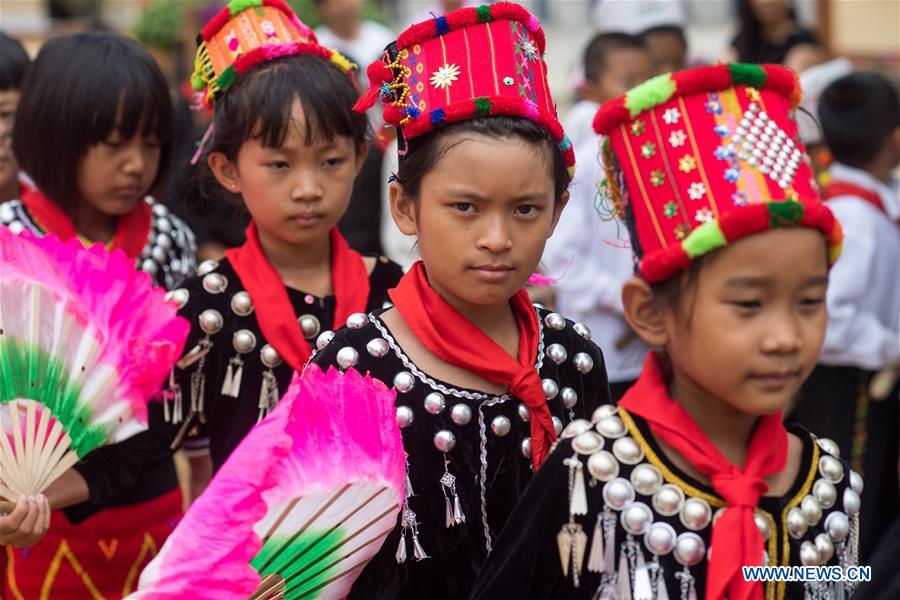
(6, 507)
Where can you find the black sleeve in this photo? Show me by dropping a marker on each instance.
(524, 562)
(112, 471)
(598, 383)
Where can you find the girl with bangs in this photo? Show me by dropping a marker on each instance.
(92, 136)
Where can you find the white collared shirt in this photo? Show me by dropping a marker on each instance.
(592, 258)
(864, 285)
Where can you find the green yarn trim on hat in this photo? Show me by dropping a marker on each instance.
(236, 7)
(785, 214)
(484, 14)
(704, 239)
(229, 74)
(744, 74)
(652, 92)
(482, 106)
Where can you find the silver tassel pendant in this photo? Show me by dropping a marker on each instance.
(169, 394)
(233, 375)
(609, 541)
(688, 589)
(198, 388)
(643, 589)
(268, 394)
(577, 492)
(454, 513)
(662, 592)
(595, 558)
(412, 526)
(401, 548)
(607, 589)
(624, 578)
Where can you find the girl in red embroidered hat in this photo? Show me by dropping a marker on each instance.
(693, 481)
(484, 380)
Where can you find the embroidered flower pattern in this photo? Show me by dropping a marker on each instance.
(723, 153)
(528, 48)
(696, 191)
(657, 177)
(687, 163)
(678, 138)
(721, 130)
(681, 231)
(638, 127)
(648, 149)
(704, 215)
(671, 116)
(713, 107)
(732, 175)
(740, 198)
(445, 76)
(670, 209)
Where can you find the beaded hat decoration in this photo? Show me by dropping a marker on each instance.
(706, 156)
(246, 33)
(472, 62)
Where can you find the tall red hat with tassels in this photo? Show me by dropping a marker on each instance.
(706, 156)
(476, 61)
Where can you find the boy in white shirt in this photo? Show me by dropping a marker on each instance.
(591, 256)
(852, 396)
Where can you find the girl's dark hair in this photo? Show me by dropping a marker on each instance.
(79, 90)
(749, 40)
(260, 102)
(424, 152)
(14, 62)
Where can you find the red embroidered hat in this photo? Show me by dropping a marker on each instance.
(476, 61)
(246, 33)
(706, 156)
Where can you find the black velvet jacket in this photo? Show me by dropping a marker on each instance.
(112, 471)
(819, 511)
(488, 460)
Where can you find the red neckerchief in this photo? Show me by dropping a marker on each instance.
(132, 229)
(273, 307)
(846, 188)
(457, 341)
(736, 541)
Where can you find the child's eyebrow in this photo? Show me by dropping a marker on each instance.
(473, 195)
(751, 281)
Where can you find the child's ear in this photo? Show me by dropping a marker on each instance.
(644, 312)
(361, 154)
(224, 171)
(557, 211)
(403, 209)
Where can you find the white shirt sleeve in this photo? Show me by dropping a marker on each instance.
(576, 253)
(855, 335)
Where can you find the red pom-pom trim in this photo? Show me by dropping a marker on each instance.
(610, 114)
(393, 115)
(702, 79)
(785, 82)
(659, 265)
(744, 221)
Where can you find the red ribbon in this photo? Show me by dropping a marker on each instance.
(132, 228)
(736, 540)
(273, 307)
(454, 339)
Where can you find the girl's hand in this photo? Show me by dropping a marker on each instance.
(27, 523)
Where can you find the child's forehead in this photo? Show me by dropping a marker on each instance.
(794, 254)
